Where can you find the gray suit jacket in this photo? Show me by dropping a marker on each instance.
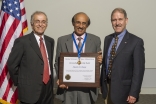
(127, 70)
(65, 44)
(25, 65)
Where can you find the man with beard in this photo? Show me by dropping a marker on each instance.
(78, 95)
(123, 62)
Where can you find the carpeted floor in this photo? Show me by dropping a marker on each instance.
(144, 99)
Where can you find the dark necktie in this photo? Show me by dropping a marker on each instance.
(79, 44)
(112, 55)
(45, 59)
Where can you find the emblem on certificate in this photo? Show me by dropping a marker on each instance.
(67, 77)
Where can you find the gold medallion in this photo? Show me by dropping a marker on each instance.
(79, 62)
(67, 77)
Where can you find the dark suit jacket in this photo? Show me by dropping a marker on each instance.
(65, 44)
(127, 70)
(25, 65)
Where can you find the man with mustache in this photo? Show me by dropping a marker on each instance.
(78, 95)
(123, 62)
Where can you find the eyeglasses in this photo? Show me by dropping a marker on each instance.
(37, 22)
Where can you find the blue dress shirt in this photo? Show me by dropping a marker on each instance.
(120, 37)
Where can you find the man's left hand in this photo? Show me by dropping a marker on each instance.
(131, 99)
(99, 58)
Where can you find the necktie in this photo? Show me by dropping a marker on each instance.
(79, 44)
(112, 55)
(45, 60)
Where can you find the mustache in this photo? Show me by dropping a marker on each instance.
(118, 25)
(80, 28)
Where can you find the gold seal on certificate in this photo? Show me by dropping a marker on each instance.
(79, 62)
(67, 77)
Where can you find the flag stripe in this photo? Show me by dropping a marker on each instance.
(21, 3)
(23, 11)
(4, 19)
(24, 24)
(5, 30)
(24, 18)
(3, 75)
(7, 90)
(11, 92)
(4, 85)
(21, 0)
(1, 16)
(14, 96)
(8, 37)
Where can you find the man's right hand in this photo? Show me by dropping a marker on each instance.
(62, 85)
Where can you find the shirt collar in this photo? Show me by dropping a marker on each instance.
(38, 37)
(122, 34)
(82, 36)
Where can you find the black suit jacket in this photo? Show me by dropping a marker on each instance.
(25, 65)
(127, 70)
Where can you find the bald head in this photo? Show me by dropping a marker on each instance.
(81, 14)
(80, 22)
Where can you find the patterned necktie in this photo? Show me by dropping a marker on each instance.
(45, 59)
(79, 44)
(112, 55)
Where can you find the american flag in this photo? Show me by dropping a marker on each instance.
(13, 24)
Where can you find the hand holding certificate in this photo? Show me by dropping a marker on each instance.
(62, 85)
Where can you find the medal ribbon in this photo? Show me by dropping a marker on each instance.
(79, 50)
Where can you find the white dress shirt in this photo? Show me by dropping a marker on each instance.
(38, 41)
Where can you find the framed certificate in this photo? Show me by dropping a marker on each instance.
(83, 72)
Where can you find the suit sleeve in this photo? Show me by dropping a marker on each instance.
(52, 51)
(58, 51)
(138, 70)
(14, 60)
(52, 54)
(98, 44)
(103, 82)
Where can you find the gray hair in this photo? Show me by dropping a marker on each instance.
(121, 10)
(36, 13)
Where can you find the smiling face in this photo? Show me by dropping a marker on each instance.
(39, 23)
(80, 23)
(119, 22)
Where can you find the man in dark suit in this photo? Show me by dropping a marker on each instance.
(123, 62)
(30, 63)
(78, 95)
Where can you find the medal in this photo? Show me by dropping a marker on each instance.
(79, 62)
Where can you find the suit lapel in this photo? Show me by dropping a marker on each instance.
(69, 43)
(123, 43)
(88, 44)
(48, 46)
(34, 45)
